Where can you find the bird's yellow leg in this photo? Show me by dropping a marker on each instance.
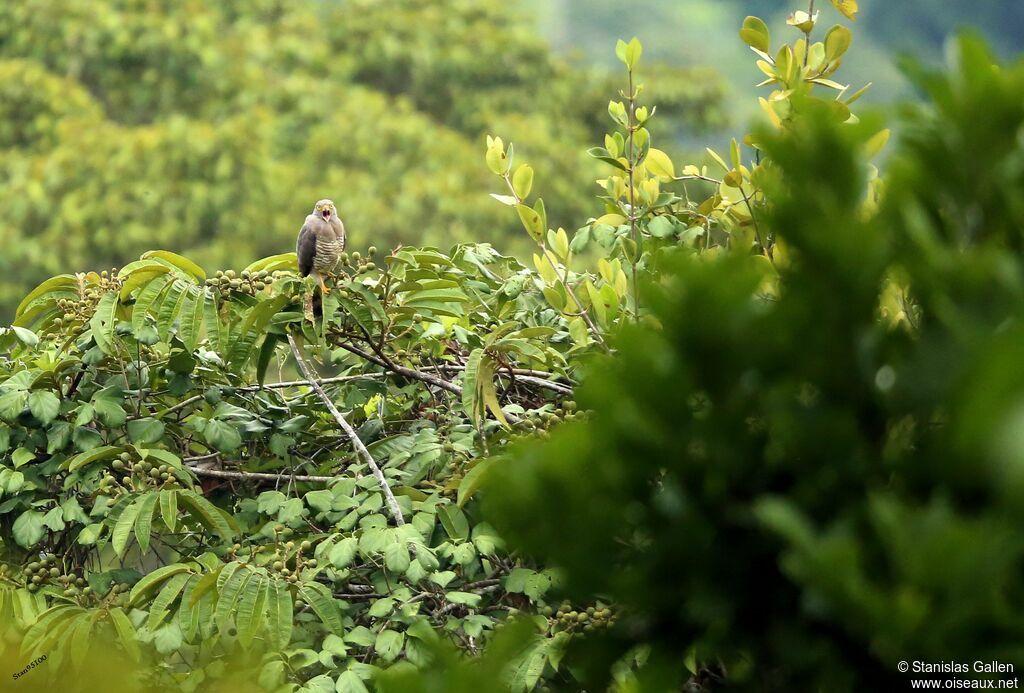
(323, 287)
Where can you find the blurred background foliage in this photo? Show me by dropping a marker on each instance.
(210, 128)
(701, 32)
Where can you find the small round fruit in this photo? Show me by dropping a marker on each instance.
(305, 545)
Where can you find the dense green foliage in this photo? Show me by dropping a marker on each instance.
(753, 425)
(207, 127)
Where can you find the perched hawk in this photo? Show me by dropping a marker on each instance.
(319, 246)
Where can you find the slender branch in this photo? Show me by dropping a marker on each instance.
(296, 383)
(273, 386)
(757, 229)
(540, 382)
(361, 450)
(694, 176)
(182, 404)
(385, 362)
(633, 236)
(259, 476)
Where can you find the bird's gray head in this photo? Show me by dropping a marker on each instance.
(326, 209)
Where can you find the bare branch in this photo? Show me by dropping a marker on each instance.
(402, 370)
(260, 476)
(361, 450)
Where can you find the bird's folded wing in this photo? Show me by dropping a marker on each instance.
(305, 248)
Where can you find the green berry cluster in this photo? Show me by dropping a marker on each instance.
(355, 262)
(118, 594)
(49, 571)
(571, 620)
(136, 475)
(287, 560)
(245, 283)
(543, 421)
(79, 310)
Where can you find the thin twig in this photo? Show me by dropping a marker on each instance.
(402, 370)
(361, 450)
(259, 476)
(540, 382)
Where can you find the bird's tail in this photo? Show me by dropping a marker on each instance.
(318, 304)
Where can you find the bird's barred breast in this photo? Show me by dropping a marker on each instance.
(327, 255)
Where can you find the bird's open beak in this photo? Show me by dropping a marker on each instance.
(326, 214)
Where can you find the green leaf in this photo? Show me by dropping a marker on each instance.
(86, 439)
(26, 337)
(170, 306)
(206, 513)
(168, 638)
(169, 509)
(144, 522)
(343, 553)
(94, 455)
(470, 385)
(146, 430)
(103, 322)
(54, 519)
(12, 404)
(222, 436)
(251, 609)
(123, 527)
(320, 501)
(159, 609)
(182, 263)
(22, 456)
(279, 613)
(252, 328)
(531, 222)
(837, 42)
(28, 528)
(522, 181)
(349, 682)
(89, 534)
(125, 633)
(44, 405)
(205, 584)
(146, 299)
(190, 317)
(396, 557)
(454, 522)
(266, 355)
(60, 283)
(229, 595)
(323, 604)
(472, 480)
(273, 263)
(389, 644)
(110, 413)
(755, 34)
